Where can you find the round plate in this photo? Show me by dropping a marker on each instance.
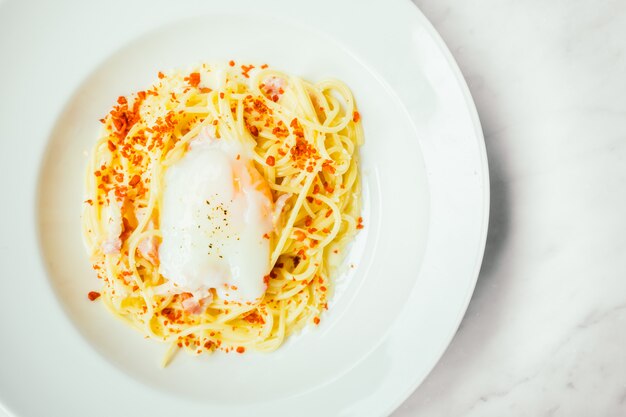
(409, 275)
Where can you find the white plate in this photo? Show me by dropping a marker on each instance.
(415, 264)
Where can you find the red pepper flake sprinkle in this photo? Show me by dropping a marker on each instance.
(221, 95)
(264, 66)
(307, 221)
(93, 295)
(134, 180)
(161, 75)
(231, 63)
(323, 288)
(246, 69)
(111, 145)
(254, 131)
(326, 166)
(316, 320)
(270, 161)
(360, 223)
(356, 116)
(329, 212)
(241, 349)
(254, 317)
(194, 79)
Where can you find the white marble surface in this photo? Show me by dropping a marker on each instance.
(545, 333)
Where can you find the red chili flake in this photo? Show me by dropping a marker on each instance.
(193, 79)
(90, 202)
(270, 161)
(307, 221)
(300, 236)
(122, 100)
(246, 69)
(266, 236)
(356, 116)
(328, 168)
(323, 288)
(316, 189)
(93, 295)
(221, 95)
(254, 131)
(316, 320)
(111, 145)
(264, 66)
(161, 75)
(205, 90)
(231, 63)
(329, 212)
(134, 180)
(241, 349)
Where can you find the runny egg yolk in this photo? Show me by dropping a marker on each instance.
(216, 214)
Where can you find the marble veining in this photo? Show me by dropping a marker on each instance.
(545, 333)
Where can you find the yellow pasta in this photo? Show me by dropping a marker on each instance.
(305, 138)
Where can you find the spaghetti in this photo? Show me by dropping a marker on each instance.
(305, 139)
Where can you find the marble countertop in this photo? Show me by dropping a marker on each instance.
(545, 333)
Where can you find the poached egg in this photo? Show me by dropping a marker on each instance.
(215, 220)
